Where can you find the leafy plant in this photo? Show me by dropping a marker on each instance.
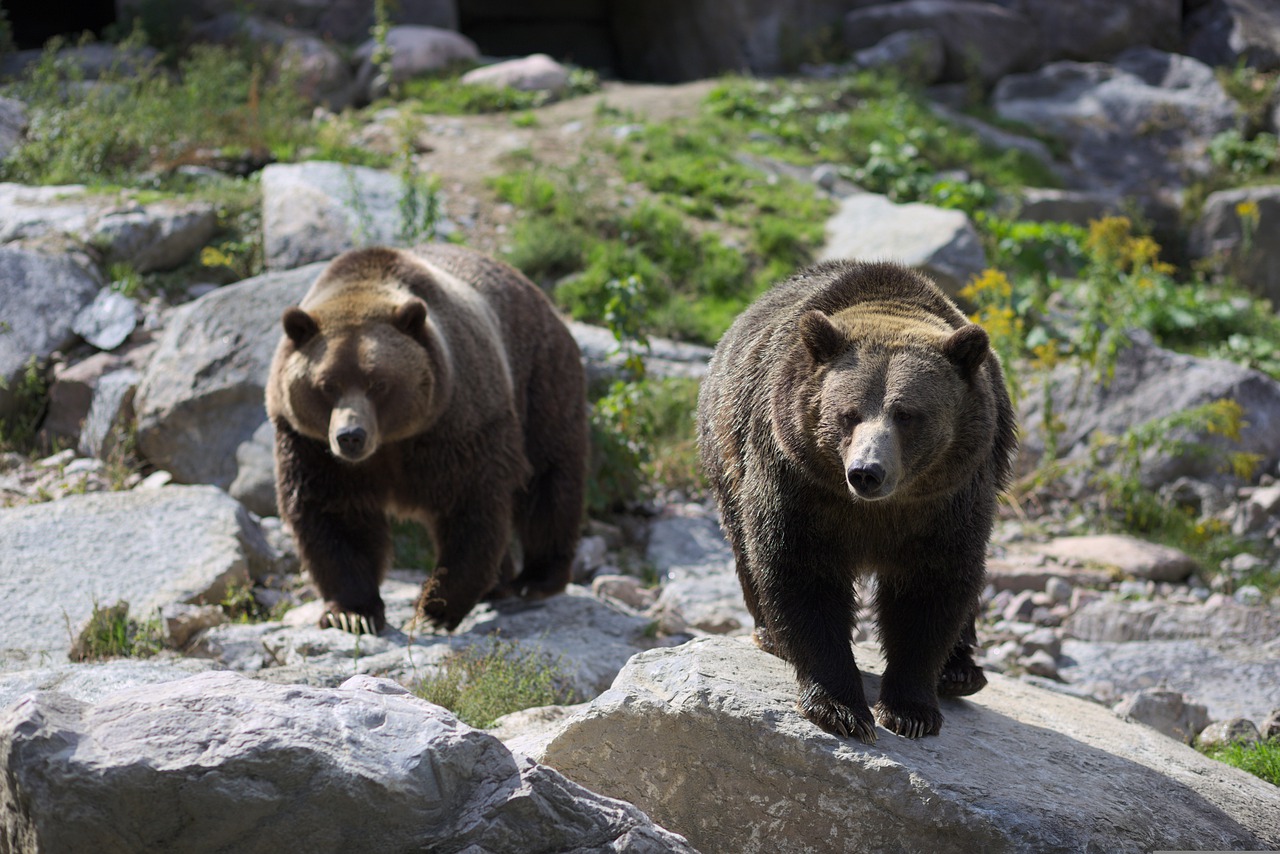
(30, 398)
(242, 606)
(112, 633)
(1244, 157)
(485, 681)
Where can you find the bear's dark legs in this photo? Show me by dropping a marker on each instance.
(961, 676)
(808, 605)
(920, 624)
(550, 518)
(346, 554)
(473, 539)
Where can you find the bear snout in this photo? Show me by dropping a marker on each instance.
(353, 435)
(351, 441)
(866, 479)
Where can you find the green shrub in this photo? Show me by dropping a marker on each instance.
(484, 682)
(112, 633)
(30, 395)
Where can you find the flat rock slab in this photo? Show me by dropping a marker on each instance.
(705, 738)
(92, 682)
(1129, 555)
(150, 548)
(218, 762)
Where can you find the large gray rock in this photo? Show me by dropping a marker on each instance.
(982, 40)
(218, 762)
(158, 235)
(202, 393)
(1150, 383)
(941, 243)
(1138, 126)
(706, 739)
(91, 682)
(150, 548)
(40, 296)
(316, 210)
(414, 50)
(535, 73)
(918, 55)
(1228, 32)
(1220, 233)
(1129, 555)
(1165, 711)
(255, 483)
(1099, 29)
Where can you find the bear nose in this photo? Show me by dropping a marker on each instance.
(866, 478)
(351, 440)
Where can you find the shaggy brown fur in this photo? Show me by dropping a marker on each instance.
(439, 386)
(853, 422)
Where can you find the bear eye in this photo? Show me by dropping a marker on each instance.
(902, 416)
(851, 418)
(329, 389)
(377, 386)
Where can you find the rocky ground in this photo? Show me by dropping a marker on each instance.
(1084, 633)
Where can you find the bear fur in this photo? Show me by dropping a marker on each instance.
(439, 386)
(853, 422)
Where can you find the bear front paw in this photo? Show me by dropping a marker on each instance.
(909, 720)
(961, 680)
(337, 617)
(836, 717)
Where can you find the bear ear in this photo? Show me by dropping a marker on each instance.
(411, 318)
(967, 348)
(821, 337)
(299, 326)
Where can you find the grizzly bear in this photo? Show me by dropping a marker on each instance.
(440, 387)
(853, 422)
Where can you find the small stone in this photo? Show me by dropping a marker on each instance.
(1045, 639)
(825, 176)
(1021, 607)
(1228, 732)
(1058, 590)
(591, 555)
(1271, 726)
(1248, 595)
(1043, 616)
(1041, 663)
(156, 479)
(181, 621)
(108, 320)
(58, 460)
(1167, 711)
(627, 589)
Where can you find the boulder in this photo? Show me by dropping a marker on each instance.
(110, 415)
(918, 55)
(201, 395)
(982, 40)
(1129, 555)
(1115, 620)
(71, 395)
(1089, 30)
(91, 682)
(663, 357)
(414, 50)
(315, 211)
(1229, 32)
(40, 296)
(1139, 126)
(1248, 247)
(1080, 207)
(255, 483)
(62, 558)
(1149, 383)
(1226, 733)
(1015, 768)
(535, 73)
(218, 762)
(148, 237)
(1167, 711)
(939, 242)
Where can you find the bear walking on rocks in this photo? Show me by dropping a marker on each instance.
(439, 386)
(854, 422)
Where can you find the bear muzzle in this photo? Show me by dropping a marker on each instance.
(871, 468)
(351, 434)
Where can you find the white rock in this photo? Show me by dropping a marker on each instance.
(535, 73)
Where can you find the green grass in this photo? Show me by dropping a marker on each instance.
(486, 681)
(1261, 759)
(442, 94)
(112, 633)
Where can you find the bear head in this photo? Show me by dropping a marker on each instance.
(900, 401)
(355, 369)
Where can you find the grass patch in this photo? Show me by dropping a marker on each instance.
(112, 633)
(1261, 759)
(242, 606)
(30, 400)
(443, 94)
(486, 681)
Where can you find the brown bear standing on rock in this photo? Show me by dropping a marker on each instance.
(442, 387)
(854, 422)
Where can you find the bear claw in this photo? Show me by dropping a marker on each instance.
(961, 681)
(907, 724)
(356, 624)
(839, 719)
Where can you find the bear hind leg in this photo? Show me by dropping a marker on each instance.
(961, 675)
(549, 521)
